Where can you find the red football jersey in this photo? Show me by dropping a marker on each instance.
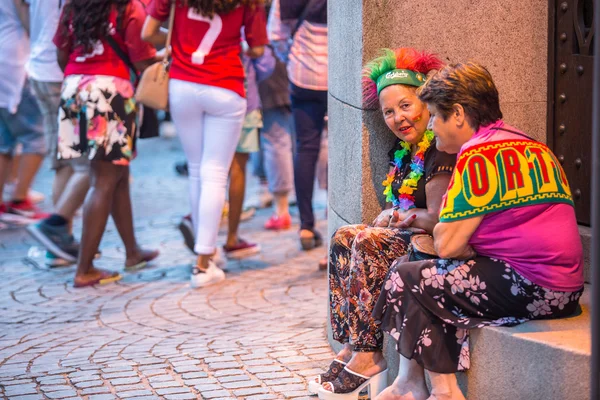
(103, 60)
(207, 51)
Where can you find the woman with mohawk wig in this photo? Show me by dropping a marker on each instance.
(361, 255)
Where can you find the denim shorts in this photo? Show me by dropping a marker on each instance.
(48, 98)
(25, 127)
(248, 142)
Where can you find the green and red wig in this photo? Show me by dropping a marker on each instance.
(400, 66)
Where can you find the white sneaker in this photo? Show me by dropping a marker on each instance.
(167, 129)
(219, 259)
(213, 274)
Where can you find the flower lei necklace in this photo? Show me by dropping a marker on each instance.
(405, 201)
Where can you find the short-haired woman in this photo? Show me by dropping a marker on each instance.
(507, 237)
(361, 255)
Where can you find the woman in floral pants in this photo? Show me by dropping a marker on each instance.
(507, 238)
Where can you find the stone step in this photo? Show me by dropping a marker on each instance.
(543, 360)
(586, 240)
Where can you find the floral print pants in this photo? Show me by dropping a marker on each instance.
(429, 306)
(359, 261)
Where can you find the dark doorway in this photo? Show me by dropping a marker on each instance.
(571, 62)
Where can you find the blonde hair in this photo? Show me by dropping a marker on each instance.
(468, 84)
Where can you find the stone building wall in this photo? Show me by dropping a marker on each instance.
(510, 37)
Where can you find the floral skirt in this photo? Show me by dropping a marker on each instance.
(97, 119)
(359, 261)
(429, 306)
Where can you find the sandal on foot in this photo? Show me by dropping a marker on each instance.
(332, 373)
(309, 243)
(104, 278)
(349, 384)
(144, 262)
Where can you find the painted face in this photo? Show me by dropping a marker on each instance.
(446, 132)
(404, 113)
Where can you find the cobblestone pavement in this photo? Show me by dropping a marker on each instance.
(257, 335)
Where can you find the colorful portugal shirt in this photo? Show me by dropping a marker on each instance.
(520, 189)
(499, 175)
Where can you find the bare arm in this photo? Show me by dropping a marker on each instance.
(142, 65)
(62, 57)
(256, 52)
(153, 33)
(451, 239)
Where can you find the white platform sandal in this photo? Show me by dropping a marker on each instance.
(349, 384)
(332, 373)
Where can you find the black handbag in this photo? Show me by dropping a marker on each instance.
(421, 248)
(149, 124)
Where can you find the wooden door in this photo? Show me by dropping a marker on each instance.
(570, 91)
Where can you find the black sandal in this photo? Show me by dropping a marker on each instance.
(310, 243)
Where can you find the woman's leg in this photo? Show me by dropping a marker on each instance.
(97, 206)
(408, 385)
(373, 251)
(237, 189)
(222, 125)
(309, 108)
(276, 141)
(339, 272)
(188, 117)
(123, 218)
(429, 306)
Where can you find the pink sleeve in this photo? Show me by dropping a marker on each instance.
(159, 9)
(255, 25)
(137, 49)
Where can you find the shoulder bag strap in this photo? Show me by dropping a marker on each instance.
(125, 58)
(301, 18)
(170, 32)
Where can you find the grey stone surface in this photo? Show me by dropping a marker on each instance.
(358, 149)
(345, 156)
(150, 335)
(527, 117)
(586, 240)
(548, 360)
(345, 30)
(510, 38)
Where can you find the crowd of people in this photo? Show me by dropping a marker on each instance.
(466, 192)
(240, 83)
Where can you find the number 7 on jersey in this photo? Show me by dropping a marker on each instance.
(206, 44)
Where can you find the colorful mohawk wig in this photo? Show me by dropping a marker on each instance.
(402, 58)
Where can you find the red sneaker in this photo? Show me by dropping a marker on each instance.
(26, 209)
(278, 223)
(242, 249)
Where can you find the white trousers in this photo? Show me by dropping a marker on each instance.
(209, 121)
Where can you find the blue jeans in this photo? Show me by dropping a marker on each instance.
(276, 142)
(308, 108)
(26, 126)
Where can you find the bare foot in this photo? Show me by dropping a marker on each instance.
(140, 258)
(404, 391)
(447, 396)
(95, 276)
